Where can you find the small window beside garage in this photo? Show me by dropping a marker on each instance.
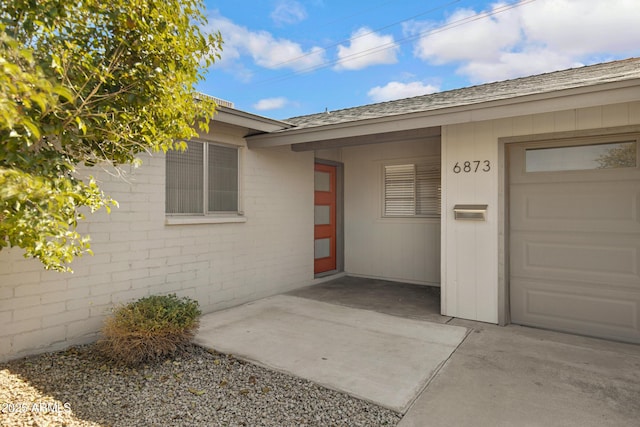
(582, 157)
(412, 190)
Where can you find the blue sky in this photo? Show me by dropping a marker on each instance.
(285, 58)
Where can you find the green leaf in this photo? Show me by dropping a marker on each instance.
(63, 92)
(32, 129)
(81, 125)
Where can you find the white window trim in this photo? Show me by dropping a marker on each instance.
(214, 217)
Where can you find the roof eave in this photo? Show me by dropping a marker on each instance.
(254, 123)
(566, 99)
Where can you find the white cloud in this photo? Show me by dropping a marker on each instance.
(270, 104)
(398, 90)
(288, 12)
(367, 48)
(516, 64)
(584, 26)
(537, 37)
(463, 38)
(265, 50)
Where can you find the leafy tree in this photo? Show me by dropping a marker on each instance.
(622, 155)
(86, 83)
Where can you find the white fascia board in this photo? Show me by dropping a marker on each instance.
(249, 121)
(591, 96)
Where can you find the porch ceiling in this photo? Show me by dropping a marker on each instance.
(431, 133)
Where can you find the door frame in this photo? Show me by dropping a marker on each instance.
(339, 216)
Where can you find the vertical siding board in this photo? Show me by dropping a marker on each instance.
(565, 121)
(522, 125)
(634, 112)
(615, 115)
(544, 123)
(588, 118)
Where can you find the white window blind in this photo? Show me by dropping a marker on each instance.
(223, 179)
(184, 183)
(412, 190)
(399, 190)
(197, 187)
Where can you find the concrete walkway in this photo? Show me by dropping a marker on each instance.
(377, 357)
(385, 342)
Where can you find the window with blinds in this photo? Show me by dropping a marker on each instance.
(202, 180)
(412, 190)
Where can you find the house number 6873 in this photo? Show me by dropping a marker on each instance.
(472, 166)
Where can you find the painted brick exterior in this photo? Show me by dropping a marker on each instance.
(137, 254)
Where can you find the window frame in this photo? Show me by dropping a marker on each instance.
(207, 216)
(577, 145)
(434, 214)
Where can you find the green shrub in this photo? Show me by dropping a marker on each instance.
(149, 329)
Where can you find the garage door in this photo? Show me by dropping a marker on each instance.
(575, 237)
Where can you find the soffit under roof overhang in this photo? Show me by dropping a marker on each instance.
(421, 134)
(356, 132)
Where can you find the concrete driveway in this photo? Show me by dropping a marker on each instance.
(518, 376)
(386, 343)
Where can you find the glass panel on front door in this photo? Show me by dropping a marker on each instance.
(322, 215)
(322, 181)
(322, 248)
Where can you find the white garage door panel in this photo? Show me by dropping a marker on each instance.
(576, 206)
(578, 309)
(567, 256)
(577, 258)
(575, 249)
(597, 310)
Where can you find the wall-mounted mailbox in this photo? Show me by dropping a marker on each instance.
(470, 212)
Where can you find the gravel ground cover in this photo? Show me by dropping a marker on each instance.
(78, 387)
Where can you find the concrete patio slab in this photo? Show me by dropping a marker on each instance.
(419, 302)
(384, 359)
(518, 376)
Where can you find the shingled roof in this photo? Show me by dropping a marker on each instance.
(550, 82)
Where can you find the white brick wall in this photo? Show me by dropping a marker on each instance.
(136, 254)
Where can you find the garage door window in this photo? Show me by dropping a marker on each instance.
(582, 157)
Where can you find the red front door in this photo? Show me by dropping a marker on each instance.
(325, 218)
